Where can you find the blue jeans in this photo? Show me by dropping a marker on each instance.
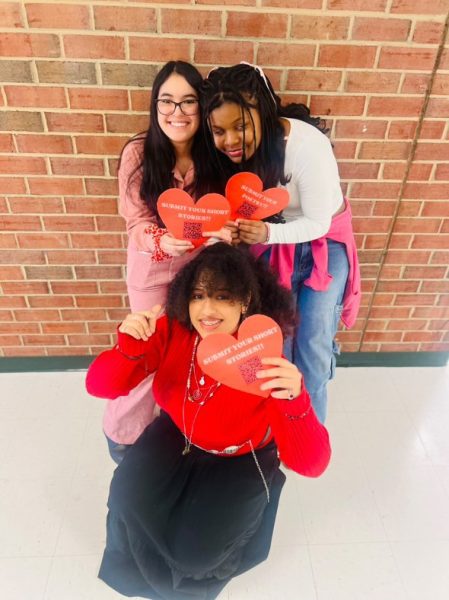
(313, 348)
(117, 451)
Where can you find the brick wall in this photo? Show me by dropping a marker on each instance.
(75, 82)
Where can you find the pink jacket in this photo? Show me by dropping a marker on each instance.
(283, 255)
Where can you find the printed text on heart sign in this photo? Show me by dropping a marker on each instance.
(241, 344)
(251, 198)
(205, 214)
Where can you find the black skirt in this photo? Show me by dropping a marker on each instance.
(181, 527)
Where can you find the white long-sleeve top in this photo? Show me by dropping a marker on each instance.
(314, 187)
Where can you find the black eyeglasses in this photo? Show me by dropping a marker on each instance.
(188, 107)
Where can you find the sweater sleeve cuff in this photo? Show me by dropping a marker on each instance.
(130, 347)
(298, 408)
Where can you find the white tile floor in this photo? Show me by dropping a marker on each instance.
(375, 526)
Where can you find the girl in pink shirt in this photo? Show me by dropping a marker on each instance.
(169, 154)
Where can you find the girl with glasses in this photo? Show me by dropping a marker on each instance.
(312, 244)
(171, 153)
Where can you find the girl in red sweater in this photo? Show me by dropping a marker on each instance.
(194, 501)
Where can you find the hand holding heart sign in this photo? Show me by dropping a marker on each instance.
(249, 200)
(236, 362)
(189, 220)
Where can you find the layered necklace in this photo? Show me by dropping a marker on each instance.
(198, 396)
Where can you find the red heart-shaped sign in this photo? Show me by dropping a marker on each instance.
(186, 219)
(249, 200)
(234, 362)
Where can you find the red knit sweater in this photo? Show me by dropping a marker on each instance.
(228, 418)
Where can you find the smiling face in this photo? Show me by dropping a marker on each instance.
(236, 132)
(179, 128)
(214, 311)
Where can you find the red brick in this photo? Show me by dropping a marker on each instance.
(42, 240)
(357, 5)
(50, 301)
(26, 95)
(90, 314)
(417, 7)
(384, 150)
(88, 340)
(346, 56)
(358, 170)
(25, 287)
(431, 241)
(389, 29)
(44, 143)
(113, 287)
(415, 299)
(6, 143)
(415, 59)
(426, 272)
(181, 21)
(117, 314)
(94, 46)
(375, 242)
(98, 99)
(337, 105)
(10, 14)
(90, 144)
(104, 187)
(79, 122)
(127, 18)
(70, 257)
(284, 54)
(95, 240)
(416, 225)
(402, 130)
(21, 164)
(126, 123)
(384, 208)
(35, 205)
(383, 336)
(435, 347)
(432, 129)
(422, 336)
(431, 312)
(63, 327)
(102, 327)
(29, 44)
(442, 172)
(435, 287)
(77, 166)
(12, 302)
(375, 190)
(409, 208)
(140, 100)
(19, 351)
(140, 48)
(99, 272)
(274, 3)
(365, 82)
(397, 312)
(94, 206)
(438, 107)
(357, 128)
(320, 80)
(55, 185)
(372, 225)
(440, 258)
(44, 340)
(415, 83)
(396, 348)
(376, 325)
(400, 241)
(432, 151)
(31, 315)
(431, 191)
(7, 240)
(116, 223)
(21, 223)
(11, 273)
(112, 257)
(344, 150)
(101, 301)
(74, 287)
(398, 286)
(395, 106)
(428, 32)
(48, 16)
(28, 257)
(69, 223)
(316, 27)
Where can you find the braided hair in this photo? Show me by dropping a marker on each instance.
(247, 86)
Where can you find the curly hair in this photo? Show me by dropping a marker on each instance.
(248, 280)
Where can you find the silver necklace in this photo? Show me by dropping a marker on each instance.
(195, 397)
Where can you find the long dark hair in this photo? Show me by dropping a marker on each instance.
(244, 85)
(158, 157)
(248, 280)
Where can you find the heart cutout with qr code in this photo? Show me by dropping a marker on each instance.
(186, 219)
(249, 200)
(234, 362)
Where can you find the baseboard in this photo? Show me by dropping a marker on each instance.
(24, 364)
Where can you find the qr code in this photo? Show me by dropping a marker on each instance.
(249, 368)
(192, 231)
(247, 210)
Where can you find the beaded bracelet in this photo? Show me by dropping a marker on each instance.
(301, 416)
